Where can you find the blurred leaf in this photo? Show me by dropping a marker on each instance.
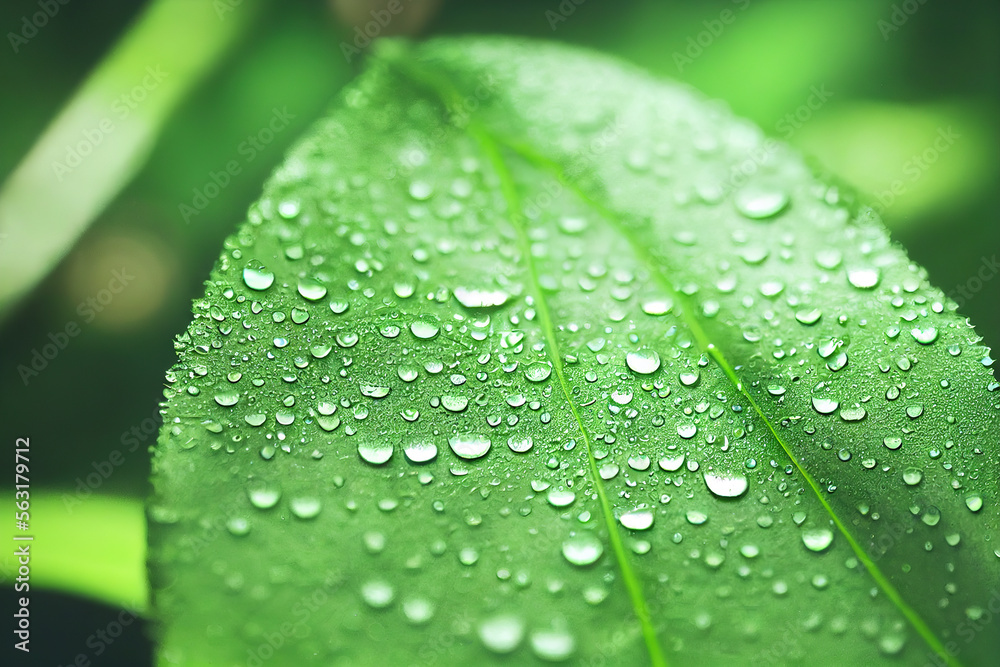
(762, 58)
(912, 161)
(505, 360)
(93, 546)
(103, 134)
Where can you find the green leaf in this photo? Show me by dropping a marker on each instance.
(506, 365)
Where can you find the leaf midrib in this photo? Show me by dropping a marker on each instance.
(631, 581)
(687, 313)
(441, 85)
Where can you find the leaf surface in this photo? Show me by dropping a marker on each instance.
(524, 356)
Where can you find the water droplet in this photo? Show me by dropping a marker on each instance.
(420, 452)
(425, 328)
(311, 289)
(262, 494)
(637, 519)
(925, 336)
(913, 476)
(853, 414)
(421, 190)
(824, 406)
(552, 645)
(696, 518)
(687, 431)
(373, 391)
(582, 549)
(643, 361)
(469, 446)
(974, 502)
(501, 634)
(725, 486)
(520, 444)
(375, 453)
(572, 225)
(305, 507)
(377, 593)
(671, 463)
(256, 419)
(817, 539)
(561, 497)
(480, 298)
(227, 399)
(257, 277)
(809, 317)
(538, 371)
(657, 305)
(759, 201)
(863, 278)
(418, 610)
(892, 643)
(238, 526)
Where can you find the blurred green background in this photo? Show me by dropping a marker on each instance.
(885, 80)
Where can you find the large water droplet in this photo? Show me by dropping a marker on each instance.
(637, 519)
(643, 361)
(501, 634)
(425, 328)
(480, 298)
(257, 277)
(824, 406)
(582, 549)
(378, 594)
(469, 446)
(863, 278)
(552, 645)
(759, 201)
(420, 452)
(262, 494)
(974, 502)
(305, 507)
(817, 539)
(538, 371)
(925, 336)
(725, 486)
(311, 289)
(375, 453)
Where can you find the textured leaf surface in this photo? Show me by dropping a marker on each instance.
(507, 365)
